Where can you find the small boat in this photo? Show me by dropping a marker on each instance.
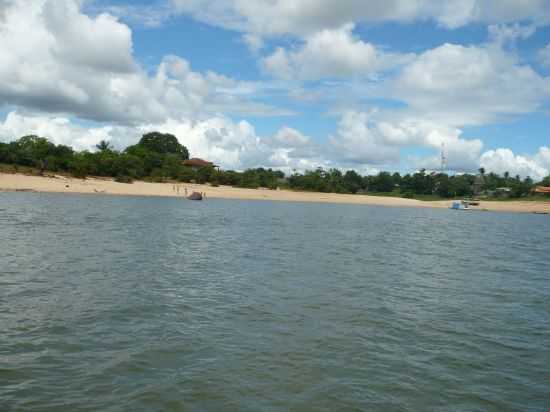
(195, 196)
(462, 205)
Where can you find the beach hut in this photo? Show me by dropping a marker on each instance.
(542, 190)
(196, 163)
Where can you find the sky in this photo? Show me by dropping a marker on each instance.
(352, 84)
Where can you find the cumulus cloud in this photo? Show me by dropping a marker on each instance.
(327, 53)
(236, 145)
(275, 17)
(233, 145)
(358, 141)
(363, 138)
(288, 136)
(62, 130)
(361, 142)
(504, 160)
(63, 61)
(470, 84)
(101, 43)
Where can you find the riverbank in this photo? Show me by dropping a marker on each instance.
(64, 184)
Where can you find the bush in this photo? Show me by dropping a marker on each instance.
(124, 179)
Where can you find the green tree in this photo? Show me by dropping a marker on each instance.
(32, 150)
(164, 143)
(383, 182)
(104, 146)
(352, 181)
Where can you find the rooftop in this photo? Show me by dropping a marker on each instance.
(196, 162)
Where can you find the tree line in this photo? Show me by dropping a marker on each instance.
(420, 183)
(159, 157)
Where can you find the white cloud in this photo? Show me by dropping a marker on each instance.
(361, 142)
(358, 141)
(504, 34)
(101, 43)
(236, 145)
(275, 17)
(329, 53)
(152, 15)
(462, 154)
(63, 61)
(61, 130)
(288, 136)
(254, 42)
(504, 160)
(543, 158)
(378, 139)
(233, 145)
(470, 84)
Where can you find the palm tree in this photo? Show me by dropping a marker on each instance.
(104, 146)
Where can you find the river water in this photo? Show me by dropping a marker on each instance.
(158, 304)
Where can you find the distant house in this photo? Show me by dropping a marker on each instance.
(542, 190)
(503, 192)
(197, 163)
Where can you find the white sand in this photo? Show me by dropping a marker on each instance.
(62, 184)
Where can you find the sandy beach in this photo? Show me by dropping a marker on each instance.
(64, 184)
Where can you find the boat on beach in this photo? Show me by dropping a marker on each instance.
(461, 205)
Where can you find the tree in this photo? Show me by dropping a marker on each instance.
(104, 146)
(32, 150)
(383, 182)
(352, 181)
(5, 155)
(164, 143)
(442, 185)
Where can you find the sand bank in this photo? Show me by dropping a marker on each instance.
(63, 184)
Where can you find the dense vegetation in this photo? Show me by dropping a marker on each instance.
(159, 157)
(410, 185)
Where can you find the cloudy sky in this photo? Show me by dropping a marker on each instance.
(370, 85)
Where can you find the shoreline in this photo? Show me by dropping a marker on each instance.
(106, 186)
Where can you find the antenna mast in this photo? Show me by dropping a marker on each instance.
(443, 159)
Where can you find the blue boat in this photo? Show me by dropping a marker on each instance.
(462, 205)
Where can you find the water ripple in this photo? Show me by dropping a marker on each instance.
(116, 303)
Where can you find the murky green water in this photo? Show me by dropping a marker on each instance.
(145, 304)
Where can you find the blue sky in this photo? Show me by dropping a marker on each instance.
(383, 85)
